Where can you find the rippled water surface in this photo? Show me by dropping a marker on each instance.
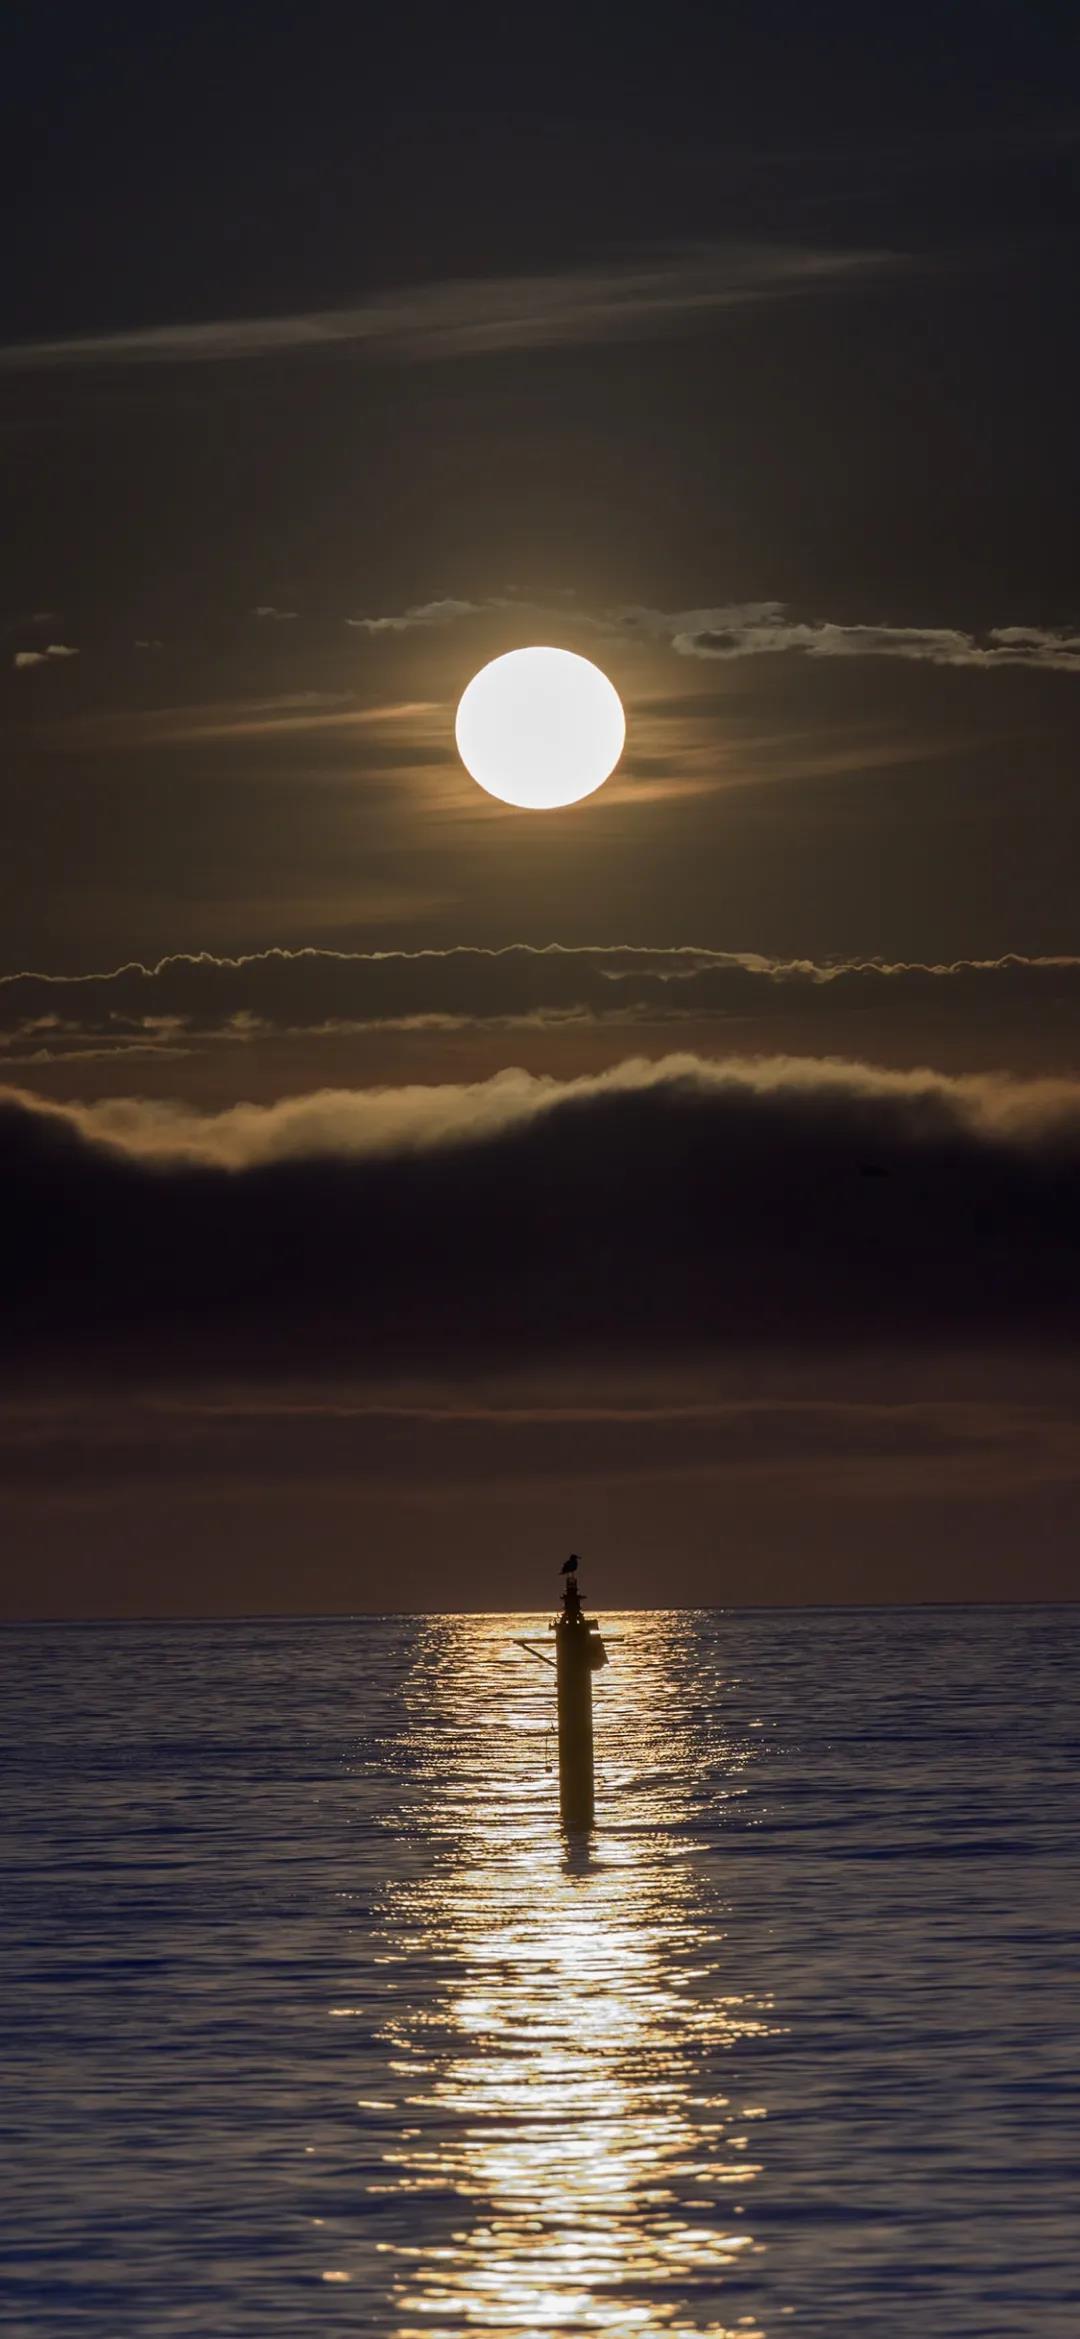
(314, 2023)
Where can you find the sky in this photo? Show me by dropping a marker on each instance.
(400, 1189)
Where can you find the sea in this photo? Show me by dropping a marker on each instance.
(313, 2022)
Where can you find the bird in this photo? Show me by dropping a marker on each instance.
(570, 1566)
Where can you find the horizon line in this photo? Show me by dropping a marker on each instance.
(436, 1615)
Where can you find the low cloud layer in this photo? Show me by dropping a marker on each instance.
(314, 1438)
(477, 316)
(185, 999)
(660, 1211)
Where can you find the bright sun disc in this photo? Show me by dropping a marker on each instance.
(539, 728)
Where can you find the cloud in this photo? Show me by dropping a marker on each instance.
(282, 714)
(201, 996)
(41, 657)
(720, 633)
(691, 1207)
(753, 629)
(426, 615)
(477, 316)
(988, 1445)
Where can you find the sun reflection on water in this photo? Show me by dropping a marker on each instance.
(563, 2115)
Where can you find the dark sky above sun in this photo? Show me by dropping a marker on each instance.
(398, 1187)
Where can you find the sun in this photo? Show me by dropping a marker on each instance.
(540, 727)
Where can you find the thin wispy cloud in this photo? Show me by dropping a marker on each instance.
(284, 713)
(753, 629)
(719, 633)
(326, 1437)
(203, 998)
(470, 317)
(728, 631)
(57, 651)
(425, 616)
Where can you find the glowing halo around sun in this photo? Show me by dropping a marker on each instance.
(539, 728)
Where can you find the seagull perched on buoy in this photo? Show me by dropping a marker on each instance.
(570, 1566)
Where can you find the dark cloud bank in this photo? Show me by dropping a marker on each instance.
(655, 1210)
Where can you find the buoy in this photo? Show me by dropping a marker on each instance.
(579, 1653)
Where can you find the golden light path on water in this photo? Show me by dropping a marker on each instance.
(567, 2140)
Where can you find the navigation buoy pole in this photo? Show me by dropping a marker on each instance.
(574, 1664)
(579, 1653)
